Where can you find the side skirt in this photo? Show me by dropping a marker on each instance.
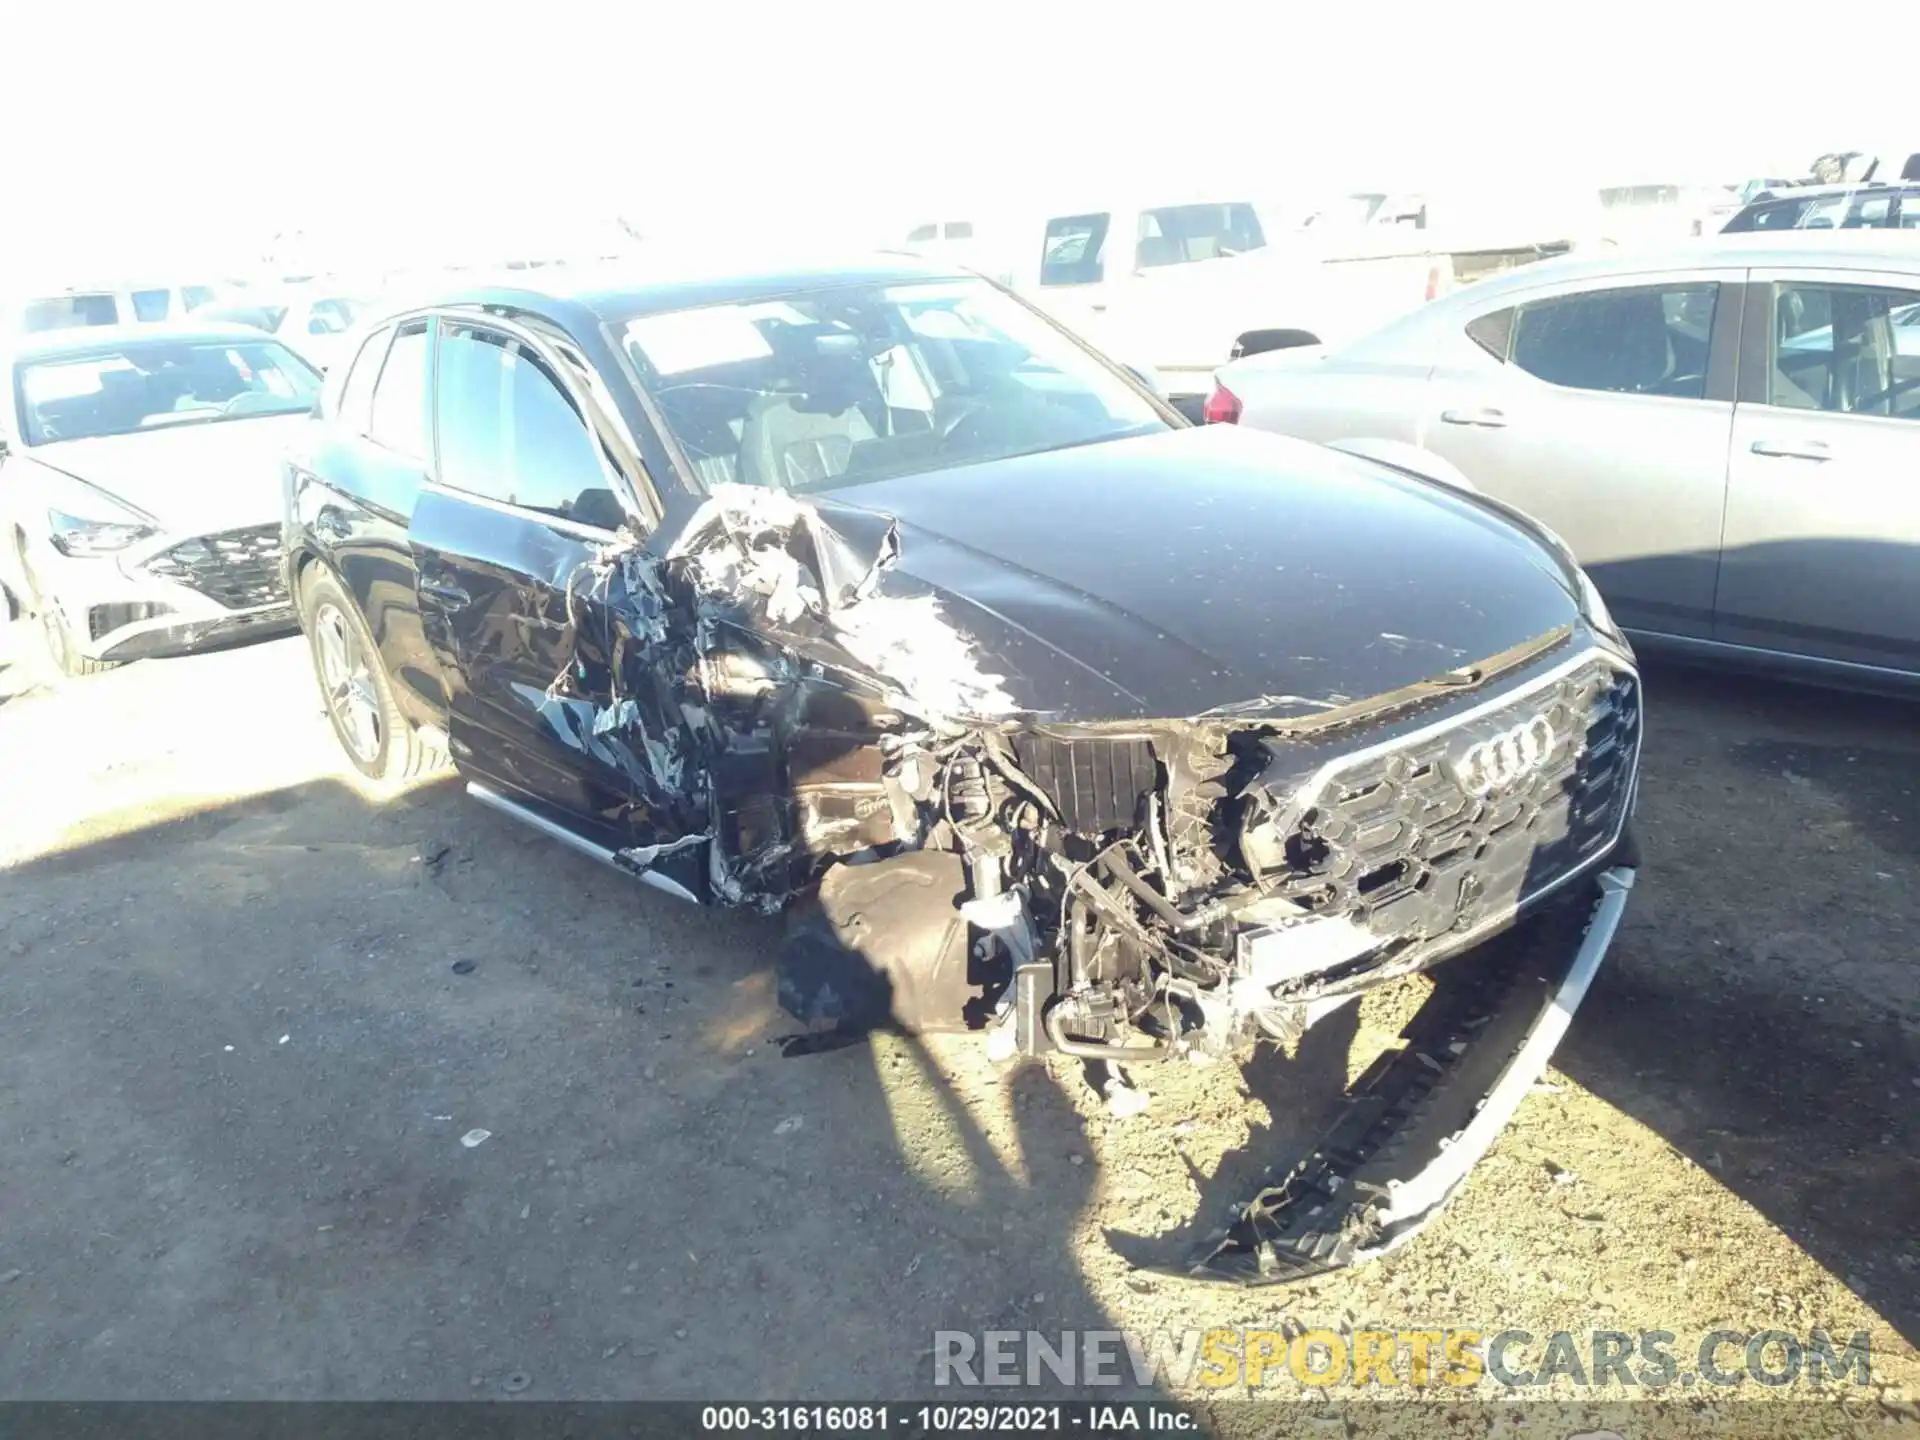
(556, 831)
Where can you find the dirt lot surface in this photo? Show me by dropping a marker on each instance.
(250, 1012)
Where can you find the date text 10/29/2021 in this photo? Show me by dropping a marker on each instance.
(919, 1418)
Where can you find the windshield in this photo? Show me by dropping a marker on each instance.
(143, 387)
(823, 390)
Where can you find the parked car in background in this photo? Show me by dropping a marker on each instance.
(1831, 207)
(35, 313)
(869, 593)
(1726, 434)
(314, 319)
(1730, 200)
(140, 488)
(1183, 286)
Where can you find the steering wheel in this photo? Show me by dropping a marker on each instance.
(963, 422)
(1898, 387)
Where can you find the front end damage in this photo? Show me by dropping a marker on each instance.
(806, 732)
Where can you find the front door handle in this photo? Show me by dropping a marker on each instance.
(1794, 449)
(450, 597)
(1484, 416)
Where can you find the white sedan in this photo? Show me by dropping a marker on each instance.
(312, 320)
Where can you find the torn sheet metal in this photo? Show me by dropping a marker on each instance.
(787, 710)
(752, 554)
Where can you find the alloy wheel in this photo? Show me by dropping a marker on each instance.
(346, 678)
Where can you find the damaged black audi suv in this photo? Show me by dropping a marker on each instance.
(871, 595)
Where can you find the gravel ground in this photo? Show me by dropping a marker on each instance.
(250, 1012)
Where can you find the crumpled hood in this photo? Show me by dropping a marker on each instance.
(1208, 568)
(190, 479)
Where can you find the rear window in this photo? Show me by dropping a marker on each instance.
(1176, 234)
(68, 312)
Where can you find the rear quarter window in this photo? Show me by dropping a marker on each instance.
(1493, 333)
(356, 392)
(399, 416)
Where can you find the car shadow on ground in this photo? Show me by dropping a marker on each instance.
(662, 1205)
(1301, 1093)
(308, 1096)
(1786, 1064)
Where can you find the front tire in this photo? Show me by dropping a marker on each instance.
(355, 688)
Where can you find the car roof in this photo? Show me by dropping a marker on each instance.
(1823, 192)
(650, 284)
(87, 339)
(1863, 249)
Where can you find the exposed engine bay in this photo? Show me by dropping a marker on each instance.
(801, 734)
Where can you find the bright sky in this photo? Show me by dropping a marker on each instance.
(189, 135)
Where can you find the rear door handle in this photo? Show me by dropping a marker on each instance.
(1484, 416)
(1794, 449)
(450, 597)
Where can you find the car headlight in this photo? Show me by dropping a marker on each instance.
(1594, 606)
(82, 538)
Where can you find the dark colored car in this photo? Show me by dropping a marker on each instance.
(1831, 207)
(871, 595)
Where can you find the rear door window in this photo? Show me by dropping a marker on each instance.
(1073, 250)
(151, 305)
(399, 419)
(1640, 340)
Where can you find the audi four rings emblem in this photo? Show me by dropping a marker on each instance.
(1507, 758)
